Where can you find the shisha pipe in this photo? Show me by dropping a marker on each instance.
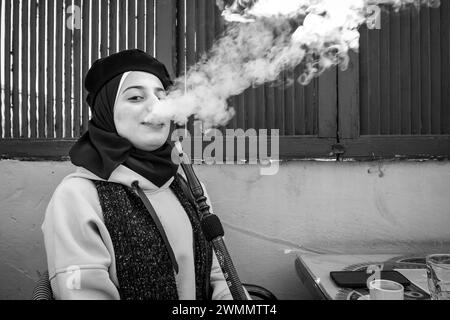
(212, 228)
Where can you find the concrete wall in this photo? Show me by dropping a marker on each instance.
(308, 206)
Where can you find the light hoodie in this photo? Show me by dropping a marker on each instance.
(80, 253)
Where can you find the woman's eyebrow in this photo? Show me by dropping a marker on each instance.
(133, 87)
(158, 89)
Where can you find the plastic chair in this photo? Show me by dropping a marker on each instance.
(43, 290)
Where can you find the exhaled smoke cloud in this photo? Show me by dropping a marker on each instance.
(264, 38)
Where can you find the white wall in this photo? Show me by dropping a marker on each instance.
(320, 206)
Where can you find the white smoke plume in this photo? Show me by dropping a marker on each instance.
(262, 39)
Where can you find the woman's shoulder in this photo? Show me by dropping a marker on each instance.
(76, 190)
(74, 198)
(73, 184)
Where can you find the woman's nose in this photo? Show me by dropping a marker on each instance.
(153, 99)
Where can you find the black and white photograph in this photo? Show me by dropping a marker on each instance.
(254, 151)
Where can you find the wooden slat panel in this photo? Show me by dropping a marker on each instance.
(112, 26)
(59, 53)
(300, 101)
(416, 122)
(251, 109)
(150, 28)
(1, 83)
(327, 104)
(78, 81)
(190, 33)
(191, 13)
(445, 75)
(315, 104)
(68, 36)
(141, 24)
(240, 112)
(404, 67)
(280, 107)
(7, 66)
(260, 107)
(218, 25)
(298, 147)
(210, 23)
(269, 92)
(234, 103)
(85, 62)
(385, 67)
(41, 82)
(56, 149)
(131, 24)
(181, 38)
(104, 28)
(122, 25)
(201, 28)
(405, 70)
(165, 34)
(395, 61)
(311, 107)
(50, 69)
(35, 149)
(349, 99)
(397, 147)
(33, 70)
(435, 31)
(15, 68)
(289, 103)
(425, 54)
(95, 16)
(25, 72)
(219, 22)
(374, 81)
(364, 80)
(209, 37)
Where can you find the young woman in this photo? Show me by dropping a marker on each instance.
(101, 239)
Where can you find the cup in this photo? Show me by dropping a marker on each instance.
(438, 274)
(381, 289)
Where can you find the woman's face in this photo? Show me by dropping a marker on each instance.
(138, 94)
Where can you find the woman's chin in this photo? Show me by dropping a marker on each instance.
(152, 146)
(151, 142)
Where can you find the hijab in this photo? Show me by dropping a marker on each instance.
(101, 150)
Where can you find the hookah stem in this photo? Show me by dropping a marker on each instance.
(226, 264)
(230, 274)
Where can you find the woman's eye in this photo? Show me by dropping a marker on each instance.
(135, 98)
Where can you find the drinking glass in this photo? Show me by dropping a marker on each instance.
(438, 272)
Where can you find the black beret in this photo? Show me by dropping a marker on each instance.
(105, 69)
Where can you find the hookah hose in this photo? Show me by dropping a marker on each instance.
(213, 230)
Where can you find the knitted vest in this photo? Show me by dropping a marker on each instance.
(144, 268)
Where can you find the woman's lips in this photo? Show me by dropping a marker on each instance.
(153, 125)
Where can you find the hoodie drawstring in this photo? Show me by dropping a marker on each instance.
(158, 224)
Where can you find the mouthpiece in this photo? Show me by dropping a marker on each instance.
(184, 157)
(179, 148)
